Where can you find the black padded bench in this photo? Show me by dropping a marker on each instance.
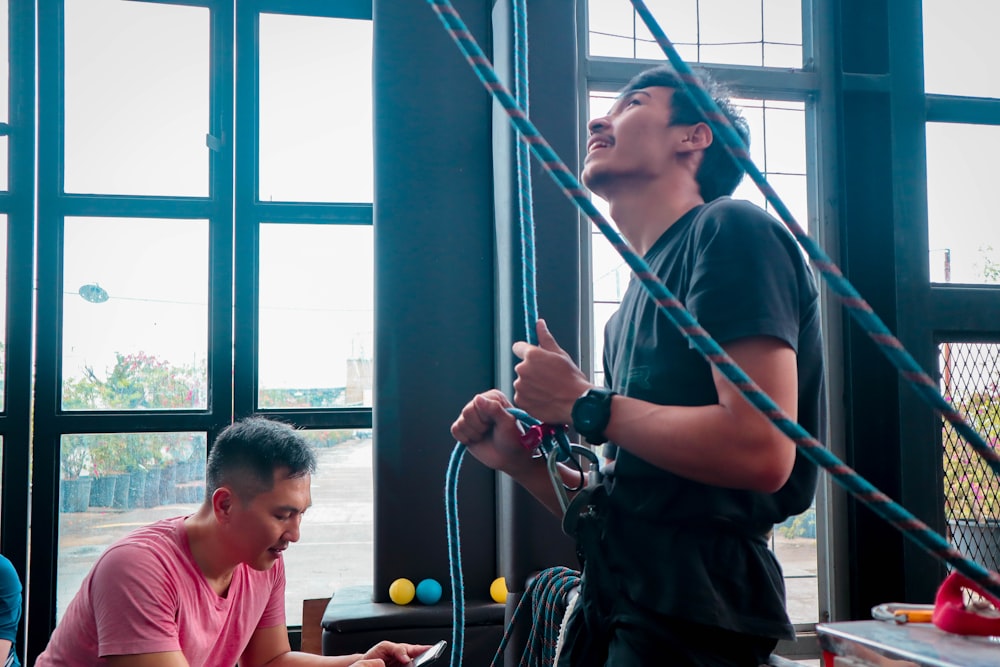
(353, 623)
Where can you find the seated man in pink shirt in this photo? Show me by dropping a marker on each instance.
(208, 589)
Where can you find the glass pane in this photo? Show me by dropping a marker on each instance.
(135, 314)
(970, 377)
(3, 310)
(112, 483)
(766, 33)
(961, 48)
(137, 98)
(315, 109)
(335, 544)
(4, 87)
(316, 316)
(963, 229)
(794, 543)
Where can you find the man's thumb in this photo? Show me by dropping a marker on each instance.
(546, 340)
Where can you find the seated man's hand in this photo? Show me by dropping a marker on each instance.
(390, 654)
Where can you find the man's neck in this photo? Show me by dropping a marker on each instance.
(209, 553)
(643, 214)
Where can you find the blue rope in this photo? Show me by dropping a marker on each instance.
(912, 527)
(455, 555)
(523, 156)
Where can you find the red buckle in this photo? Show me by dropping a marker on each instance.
(952, 615)
(535, 435)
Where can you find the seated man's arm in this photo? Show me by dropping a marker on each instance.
(269, 646)
(162, 659)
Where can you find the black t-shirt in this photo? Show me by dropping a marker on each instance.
(688, 548)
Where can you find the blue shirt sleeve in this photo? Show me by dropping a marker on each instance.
(10, 600)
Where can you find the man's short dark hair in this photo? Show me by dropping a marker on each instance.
(247, 453)
(719, 173)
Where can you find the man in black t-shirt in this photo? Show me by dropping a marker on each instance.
(677, 569)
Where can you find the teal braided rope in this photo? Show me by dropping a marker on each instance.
(525, 205)
(455, 555)
(848, 295)
(547, 593)
(811, 448)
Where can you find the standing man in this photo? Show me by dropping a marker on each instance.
(676, 565)
(208, 589)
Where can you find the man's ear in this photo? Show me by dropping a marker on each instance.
(699, 137)
(222, 503)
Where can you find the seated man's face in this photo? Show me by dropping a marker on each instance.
(270, 521)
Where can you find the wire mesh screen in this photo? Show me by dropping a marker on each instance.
(970, 374)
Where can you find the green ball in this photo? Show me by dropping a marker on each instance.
(402, 591)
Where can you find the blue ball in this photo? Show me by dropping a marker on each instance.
(429, 591)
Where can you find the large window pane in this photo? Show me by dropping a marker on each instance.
(777, 131)
(963, 222)
(335, 545)
(135, 314)
(316, 316)
(755, 32)
(137, 98)
(113, 483)
(315, 109)
(960, 47)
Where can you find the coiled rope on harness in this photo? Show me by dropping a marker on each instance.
(547, 594)
(810, 447)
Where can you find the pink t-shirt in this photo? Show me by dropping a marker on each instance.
(146, 594)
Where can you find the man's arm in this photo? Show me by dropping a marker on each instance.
(162, 659)
(269, 646)
(729, 444)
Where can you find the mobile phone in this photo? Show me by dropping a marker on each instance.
(430, 655)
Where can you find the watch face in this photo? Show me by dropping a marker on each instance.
(591, 413)
(588, 414)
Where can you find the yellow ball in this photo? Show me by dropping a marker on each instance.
(402, 591)
(498, 590)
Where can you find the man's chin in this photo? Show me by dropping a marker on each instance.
(265, 562)
(592, 180)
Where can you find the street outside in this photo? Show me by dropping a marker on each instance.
(335, 549)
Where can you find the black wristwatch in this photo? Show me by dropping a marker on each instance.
(591, 414)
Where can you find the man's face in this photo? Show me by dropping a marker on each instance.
(268, 523)
(635, 140)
